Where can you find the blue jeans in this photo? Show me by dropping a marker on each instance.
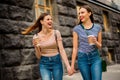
(89, 65)
(51, 68)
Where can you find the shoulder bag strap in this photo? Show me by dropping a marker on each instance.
(56, 40)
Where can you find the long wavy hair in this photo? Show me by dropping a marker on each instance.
(88, 8)
(37, 24)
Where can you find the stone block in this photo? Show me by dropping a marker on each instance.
(115, 36)
(1, 42)
(96, 10)
(98, 19)
(11, 26)
(104, 51)
(72, 12)
(113, 29)
(117, 50)
(104, 43)
(28, 56)
(4, 11)
(114, 16)
(11, 2)
(27, 3)
(110, 43)
(23, 72)
(69, 53)
(67, 21)
(61, 20)
(104, 35)
(24, 25)
(65, 31)
(29, 16)
(107, 35)
(116, 43)
(6, 74)
(62, 9)
(59, 1)
(36, 72)
(27, 39)
(17, 13)
(70, 3)
(8, 26)
(12, 41)
(71, 22)
(10, 57)
(67, 42)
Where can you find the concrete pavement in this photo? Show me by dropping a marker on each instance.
(112, 73)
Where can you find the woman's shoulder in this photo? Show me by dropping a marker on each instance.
(98, 26)
(57, 31)
(35, 36)
(77, 26)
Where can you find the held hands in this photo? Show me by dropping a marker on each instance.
(73, 70)
(70, 70)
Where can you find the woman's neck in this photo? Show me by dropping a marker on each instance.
(87, 24)
(45, 31)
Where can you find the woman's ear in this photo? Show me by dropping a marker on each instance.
(90, 13)
(41, 21)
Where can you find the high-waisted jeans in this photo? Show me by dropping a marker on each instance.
(89, 65)
(51, 68)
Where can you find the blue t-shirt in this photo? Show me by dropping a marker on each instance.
(83, 39)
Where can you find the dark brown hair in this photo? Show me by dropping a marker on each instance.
(88, 8)
(37, 24)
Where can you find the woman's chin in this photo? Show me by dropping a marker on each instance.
(82, 21)
(50, 27)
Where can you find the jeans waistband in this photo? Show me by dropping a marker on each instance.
(91, 52)
(50, 57)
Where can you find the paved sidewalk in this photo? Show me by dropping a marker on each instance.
(113, 73)
(75, 76)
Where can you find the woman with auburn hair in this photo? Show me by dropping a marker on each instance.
(87, 39)
(49, 47)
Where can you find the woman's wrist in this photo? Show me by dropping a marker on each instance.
(72, 66)
(98, 44)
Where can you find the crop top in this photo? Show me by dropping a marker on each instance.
(49, 46)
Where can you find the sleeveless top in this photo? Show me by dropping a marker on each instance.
(83, 45)
(49, 46)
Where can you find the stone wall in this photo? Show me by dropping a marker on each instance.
(17, 59)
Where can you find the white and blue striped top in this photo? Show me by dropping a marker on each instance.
(83, 40)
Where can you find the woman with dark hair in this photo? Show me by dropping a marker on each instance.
(46, 43)
(87, 38)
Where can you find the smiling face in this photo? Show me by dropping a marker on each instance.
(84, 15)
(47, 22)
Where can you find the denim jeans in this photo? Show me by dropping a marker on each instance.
(89, 65)
(51, 68)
